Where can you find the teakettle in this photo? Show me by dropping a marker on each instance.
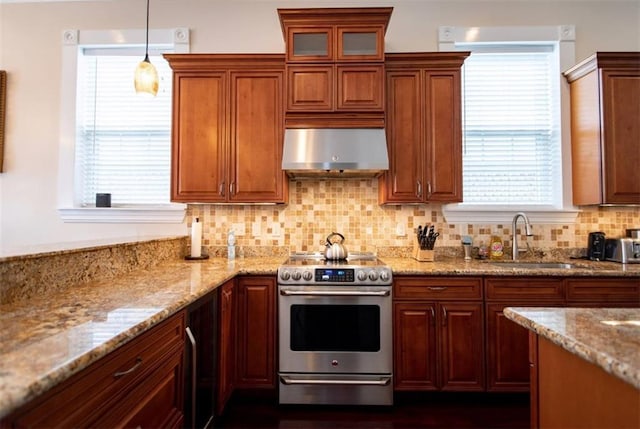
(335, 250)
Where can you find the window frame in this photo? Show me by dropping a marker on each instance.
(69, 206)
(564, 36)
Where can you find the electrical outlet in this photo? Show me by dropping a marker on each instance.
(239, 229)
(256, 229)
(275, 230)
(401, 230)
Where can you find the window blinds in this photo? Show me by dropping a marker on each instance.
(511, 152)
(123, 139)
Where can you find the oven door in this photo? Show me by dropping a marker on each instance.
(335, 329)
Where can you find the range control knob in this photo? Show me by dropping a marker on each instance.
(384, 275)
(362, 276)
(285, 275)
(307, 275)
(297, 275)
(373, 276)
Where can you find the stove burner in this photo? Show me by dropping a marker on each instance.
(317, 256)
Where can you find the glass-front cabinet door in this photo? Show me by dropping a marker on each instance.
(310, 44)
(357, 43)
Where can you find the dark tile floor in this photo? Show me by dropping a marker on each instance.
(437, 410)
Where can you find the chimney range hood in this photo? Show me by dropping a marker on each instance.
(335, 152)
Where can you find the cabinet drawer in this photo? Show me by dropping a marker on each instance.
(603, 289)
(83, 398)
(437, 288)
(524, 288)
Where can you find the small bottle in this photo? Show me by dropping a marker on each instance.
(482, 251)
(496, 250)
(231, 245)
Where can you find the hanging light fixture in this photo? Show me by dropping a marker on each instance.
(146, 77)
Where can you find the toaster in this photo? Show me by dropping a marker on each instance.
(625, 250)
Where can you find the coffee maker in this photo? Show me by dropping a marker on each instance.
(595, 249)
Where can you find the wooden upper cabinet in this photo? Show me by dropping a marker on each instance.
(335, 62)
(605, 128)
(228, 124)
(424, 128)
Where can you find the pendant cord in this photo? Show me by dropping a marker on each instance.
(146, 49)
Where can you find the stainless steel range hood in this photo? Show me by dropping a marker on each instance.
(335, 152)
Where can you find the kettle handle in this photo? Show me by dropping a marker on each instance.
(333, 234)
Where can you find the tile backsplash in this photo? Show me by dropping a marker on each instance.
(318, 207)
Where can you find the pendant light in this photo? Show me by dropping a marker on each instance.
(146, 77)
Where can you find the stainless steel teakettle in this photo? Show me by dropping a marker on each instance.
(335, 250)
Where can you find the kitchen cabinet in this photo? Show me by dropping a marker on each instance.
(255, 366)
(334, 65)
(438, 334)
(138, 385)
(424, 128)
(605, 131)
(227, 318)
(228, 124)
(507, 342)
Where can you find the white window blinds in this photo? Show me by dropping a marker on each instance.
(123, 139)
(511, 153)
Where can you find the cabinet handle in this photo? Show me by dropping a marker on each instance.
(428, 189)
(437, 288)
(231, 186)
(221, 189)
(419, 188)
(130, 370)
(194, 360)
(444, 316)
(433, 317)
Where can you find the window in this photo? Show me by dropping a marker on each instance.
(114, 140)
(515, 144)
(123, 143)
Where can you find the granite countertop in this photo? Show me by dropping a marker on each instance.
(46, 339)
(606, 337)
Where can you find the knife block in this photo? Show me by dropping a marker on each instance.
(422, 255)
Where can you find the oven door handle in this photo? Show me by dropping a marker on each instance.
(382, 381)
(288, 292)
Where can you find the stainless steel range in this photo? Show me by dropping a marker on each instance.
(335, 331)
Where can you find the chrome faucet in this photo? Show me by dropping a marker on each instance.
(514, 236)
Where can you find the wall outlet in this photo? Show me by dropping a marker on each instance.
(238, 229)
(256, 230)
(401, 231)
(275, 230)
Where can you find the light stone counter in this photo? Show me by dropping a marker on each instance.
(606, 337)
(52, 333)
(46, 339)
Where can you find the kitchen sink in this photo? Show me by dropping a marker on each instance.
(535, 265)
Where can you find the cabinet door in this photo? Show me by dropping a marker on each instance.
(507, 351)
(621, 129)
(359, 43)
(310, 43)
(310, 88)
(415, 346)
(462, 346)
(402, 183)
(256, 332)
(443, 136)
(257, 127)
(199, 138)
(360, 87)
(226, 345)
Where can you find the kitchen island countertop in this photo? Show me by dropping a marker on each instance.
(47, 338)
(606, 337)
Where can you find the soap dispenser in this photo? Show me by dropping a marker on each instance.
(231, 245)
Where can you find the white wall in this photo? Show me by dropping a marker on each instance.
(30, 51)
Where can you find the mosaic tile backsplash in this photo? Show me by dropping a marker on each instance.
(318, 207)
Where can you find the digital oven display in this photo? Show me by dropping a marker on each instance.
(339, 275)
